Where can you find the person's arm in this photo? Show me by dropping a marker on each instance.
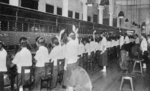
(59, 37)
(94, 35)
(75, 30)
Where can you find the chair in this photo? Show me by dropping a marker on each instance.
(85, 59)
(27, 83)
(47, 79)
(138, 61)
(124, 65)
(60, 65)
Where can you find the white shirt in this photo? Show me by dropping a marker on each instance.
(23, 58)
(93, 46)
(55, 54)
(41, 56)
(88, 48)
(148, 41)
(81, 49)
(71, 54)
(127, 40)
(137, 41)
(121, 41)
(104, 44)
(144, 45)
(3, 56)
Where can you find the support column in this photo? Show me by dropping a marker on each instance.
(110, 19)
(111, 12)
(85, 12)
(65, 8)
(55, 10)
(118, 19)
(14, 2)
(118, 22)
(100, 14)
(42, 5)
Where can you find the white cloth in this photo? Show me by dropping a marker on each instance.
(104, 44)
(55, 54)
(108, 44)
(23, 58)
(137, 41)
(144, 45)
(71, 54)
(80, 49)
(148, 41)
(127, 40)
(41, 56)
(93, 46)
(88, 48)
(121, 41)
(3, 56)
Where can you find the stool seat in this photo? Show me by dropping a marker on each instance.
(137, 61)
(127, 78)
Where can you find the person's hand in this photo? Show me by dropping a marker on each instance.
(62, 31)
(75, 30)
(94, 32)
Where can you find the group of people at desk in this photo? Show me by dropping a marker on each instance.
(42, 56)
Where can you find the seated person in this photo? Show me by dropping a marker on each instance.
(80, 80)
(22, 58)
(3, 68)
(41, 57)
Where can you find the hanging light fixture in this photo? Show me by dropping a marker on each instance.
(121, 14)
(126, 20)
(90, 3)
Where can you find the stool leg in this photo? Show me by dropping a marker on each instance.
(131, 81)
(141, 68)
(134, 66)
(121, 84)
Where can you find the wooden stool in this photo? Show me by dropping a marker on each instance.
(127, 78)
(138, 61)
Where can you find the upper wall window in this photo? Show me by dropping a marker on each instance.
(76, 15)
(49, 8)
(70, 14)
(5, 1)
(32, 4)
(59, 11)
(95, 18)
(89, 18)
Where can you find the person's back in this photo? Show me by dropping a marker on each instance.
(80, 80)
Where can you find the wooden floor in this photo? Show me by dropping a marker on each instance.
(110, 81)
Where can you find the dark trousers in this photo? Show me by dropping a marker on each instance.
(67, 74)
(39, 72)
(55, 74)
(145, 57)
(1, 81)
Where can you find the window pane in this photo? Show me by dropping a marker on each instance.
(70, 14)
(76, 15)
(49, 8)
(89, 18)
(59, 11)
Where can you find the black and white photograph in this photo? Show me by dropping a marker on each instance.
(74, 45)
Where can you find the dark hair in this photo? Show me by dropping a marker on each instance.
(23, 42)
(55, 41)
(40, 40)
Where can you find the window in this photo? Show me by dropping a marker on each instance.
(70, 14)
(5, 1)
(32, 4)
(76, 15)
(49, 8)
(95, 18)
(89, 18)
(59, 11)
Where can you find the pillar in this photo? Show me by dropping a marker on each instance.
(85, 7)
(100, 14)
(111, 12)
(118, 19)
(42, 5)
(55, 10)
(15, 2)
(65, 8)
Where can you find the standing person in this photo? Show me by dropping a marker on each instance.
(22, 58)
(103, 52)
(127, 41)
(55, 54)
(144, 47)
(41, 57)
(71, 55)
(3, 68)
(121, 41)
(137, 40)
